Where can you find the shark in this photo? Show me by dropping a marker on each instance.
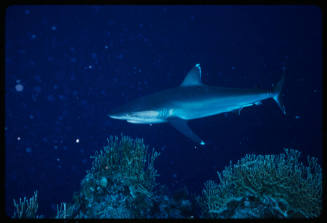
(193, 99)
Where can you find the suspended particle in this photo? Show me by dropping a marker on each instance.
(19, 87)
(77, 140)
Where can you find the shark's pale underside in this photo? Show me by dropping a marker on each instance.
(192, 100)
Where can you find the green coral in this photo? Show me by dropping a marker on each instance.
(296, 187)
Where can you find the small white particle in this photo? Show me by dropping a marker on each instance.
(18, 138)
(19, 87)
(90, 66)
(77, 141)
(106, 47)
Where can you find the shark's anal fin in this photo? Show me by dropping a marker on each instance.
(181, 125)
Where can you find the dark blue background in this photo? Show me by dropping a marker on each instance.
(78, 62)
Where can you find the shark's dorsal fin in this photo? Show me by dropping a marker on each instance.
(193, 77)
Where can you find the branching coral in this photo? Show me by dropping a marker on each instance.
(297, 187)
(65, 211)
(124, 168)
(126, 161)
(26, 208)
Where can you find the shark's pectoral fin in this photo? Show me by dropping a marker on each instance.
(181, 125)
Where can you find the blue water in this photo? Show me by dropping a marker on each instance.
(66, 67)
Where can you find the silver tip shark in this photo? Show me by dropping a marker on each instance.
(192, 100)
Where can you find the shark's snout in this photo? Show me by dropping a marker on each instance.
(116, 113)
(114, 116)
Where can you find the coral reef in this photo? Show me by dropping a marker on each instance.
(121, 183)
(280, 184)
(122, 178)
(26, 208)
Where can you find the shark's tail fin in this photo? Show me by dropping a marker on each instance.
(277, 97)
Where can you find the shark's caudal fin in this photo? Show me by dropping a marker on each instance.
(277, 97)
(181, 126)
